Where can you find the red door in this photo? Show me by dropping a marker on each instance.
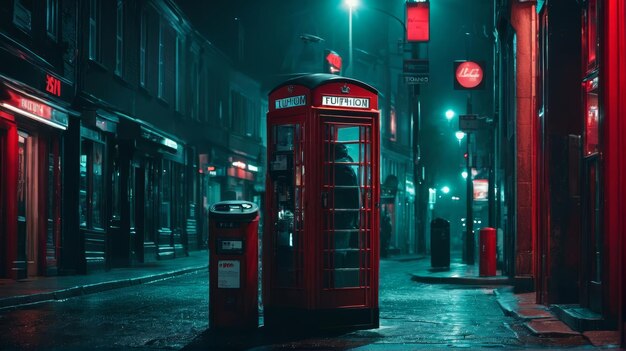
(348, 219)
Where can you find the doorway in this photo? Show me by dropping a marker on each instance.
(592, 241)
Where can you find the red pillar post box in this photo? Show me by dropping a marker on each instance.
(487, 252)
(321, 219)
(233, 265)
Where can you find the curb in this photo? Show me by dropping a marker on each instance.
(63, 294)
(461, 280)
(536, 318)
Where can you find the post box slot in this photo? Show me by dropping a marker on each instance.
(230, 246)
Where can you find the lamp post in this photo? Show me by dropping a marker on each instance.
(351, 5)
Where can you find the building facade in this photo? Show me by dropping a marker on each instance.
(561, 106)
(120, 126)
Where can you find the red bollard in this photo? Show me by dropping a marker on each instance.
(487, 252)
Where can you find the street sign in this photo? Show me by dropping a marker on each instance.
(415, 79)
(415, 66)
(469, 123)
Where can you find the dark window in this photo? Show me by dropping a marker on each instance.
(590, 35)
(91, 186)
(22, 14)
(93, 29)
(52, 13)
(591, 117)
(119, 38)
(143, 43)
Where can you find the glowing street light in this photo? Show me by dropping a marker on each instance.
(449, 115)
(445, 189)
(459, 135)
(464, 174)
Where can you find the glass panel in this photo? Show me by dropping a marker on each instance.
(591, 117)
(93, 28)
(346, 202)
(22, 14)
(287, 171)
(97, 191)
(51, 18)
(83, 183)
(119, 37)
(166, 195)
(116, 195)
(592, 32)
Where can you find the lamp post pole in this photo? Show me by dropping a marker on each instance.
(469, 220)
(350, 41)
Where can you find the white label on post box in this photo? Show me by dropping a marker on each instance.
(232, 244)
(228, 272)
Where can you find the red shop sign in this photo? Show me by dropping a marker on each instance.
(468, 75)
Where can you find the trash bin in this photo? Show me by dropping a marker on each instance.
(439, 243)
(233, 265)
(487, 252)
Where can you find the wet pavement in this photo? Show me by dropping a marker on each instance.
(420, 308)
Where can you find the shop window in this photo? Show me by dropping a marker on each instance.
(166, 195)
(116, 196)
(91, 185)
(179, 196)
(591, 117)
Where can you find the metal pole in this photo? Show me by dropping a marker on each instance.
(350, 44)
(469, 220)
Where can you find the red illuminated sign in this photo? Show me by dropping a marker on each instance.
(332, 62)
(53, 85)
(417, 21)
(481, 189)
(31, 106)
(468, 75)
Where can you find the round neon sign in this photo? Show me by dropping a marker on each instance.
(469, 74)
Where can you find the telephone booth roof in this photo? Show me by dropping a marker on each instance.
(307, 90)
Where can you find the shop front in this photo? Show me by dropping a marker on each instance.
(31, 132)
(157, 191)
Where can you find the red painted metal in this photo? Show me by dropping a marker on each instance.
(305, 282)
(487, 252)
(613, 129)
(9, 195)
(233, 266)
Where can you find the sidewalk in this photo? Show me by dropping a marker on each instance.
(539, 319)
(38, 289)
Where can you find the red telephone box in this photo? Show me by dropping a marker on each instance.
(320, 242)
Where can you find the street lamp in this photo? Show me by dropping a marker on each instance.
(459, 135)
(449, 115)
(352, 4)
